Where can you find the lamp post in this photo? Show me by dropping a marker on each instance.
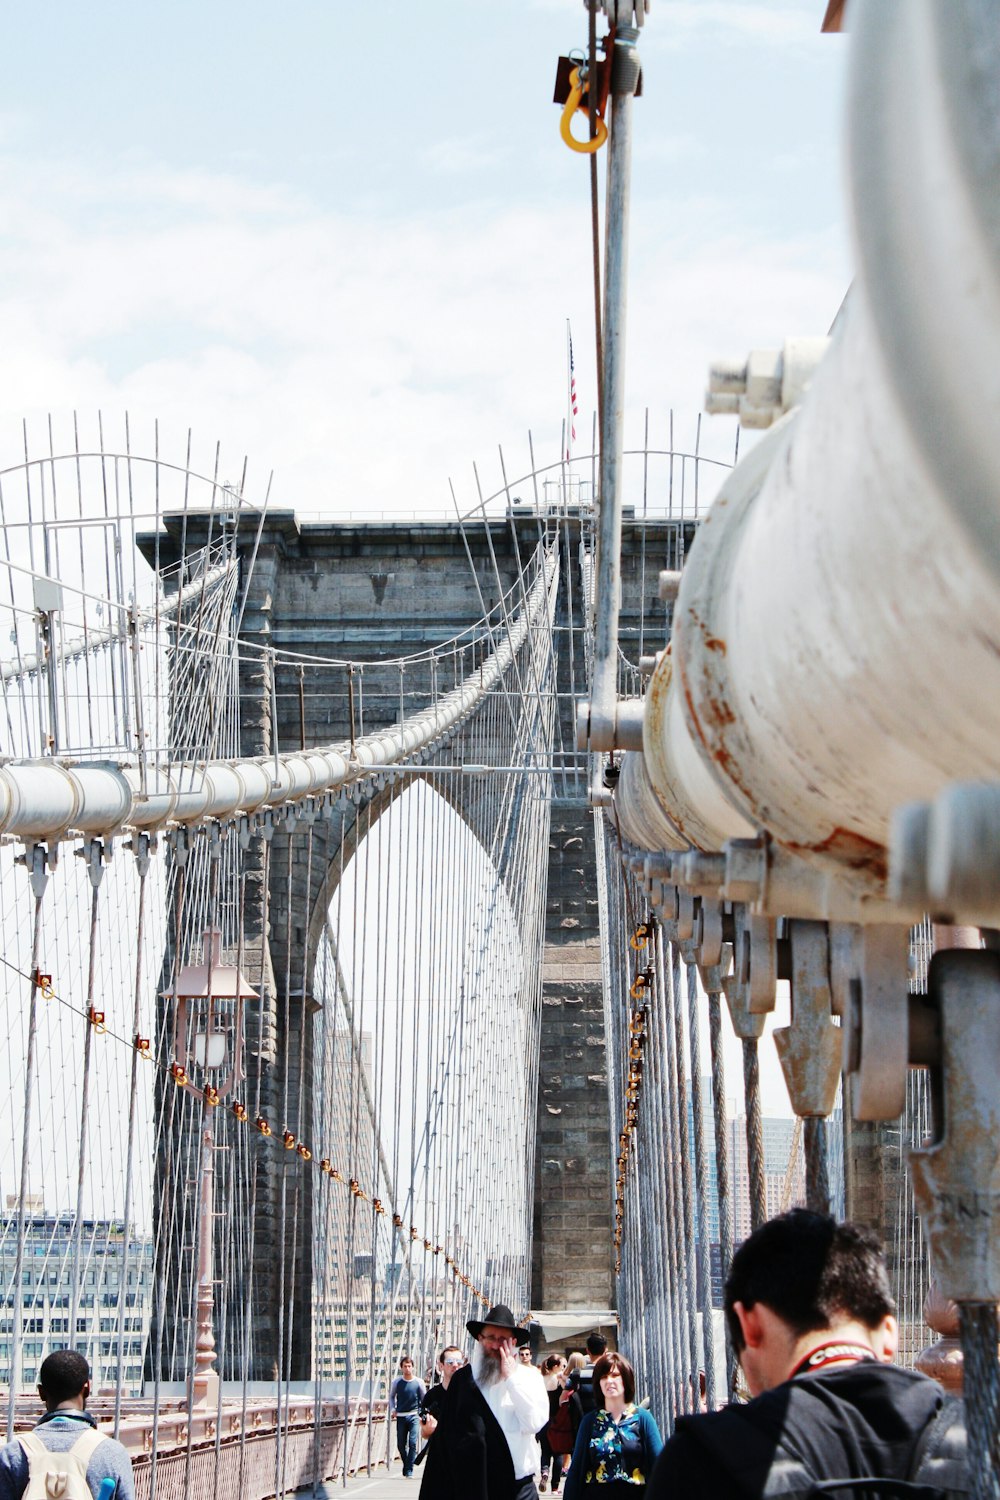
(217, 992)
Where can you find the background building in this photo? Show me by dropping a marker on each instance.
(87, 1287)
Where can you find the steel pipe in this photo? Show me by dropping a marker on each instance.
(836, 646)
(45, 799)
(640, 814)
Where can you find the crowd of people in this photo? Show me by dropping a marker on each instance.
(575, 1415)
(811, 1319)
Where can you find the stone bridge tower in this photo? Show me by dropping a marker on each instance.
(364, 592)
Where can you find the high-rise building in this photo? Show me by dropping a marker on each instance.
(784, 1170)
(712, 1178)
(86, 1287)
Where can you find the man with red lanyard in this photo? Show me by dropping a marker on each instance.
(812, 1320)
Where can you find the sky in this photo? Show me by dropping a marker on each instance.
(345, 240)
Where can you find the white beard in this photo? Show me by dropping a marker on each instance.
(485, 1367)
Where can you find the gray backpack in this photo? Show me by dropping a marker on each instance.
(938, 1470)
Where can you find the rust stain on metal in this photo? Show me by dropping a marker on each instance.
(851, 849)
(709, 641)
(692, 712)
(720, 715)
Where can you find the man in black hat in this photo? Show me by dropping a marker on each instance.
(485, 1447)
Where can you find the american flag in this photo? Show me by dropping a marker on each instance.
(572, 392)
(571, 403)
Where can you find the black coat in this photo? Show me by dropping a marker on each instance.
(468, 1457)
(852, 1421)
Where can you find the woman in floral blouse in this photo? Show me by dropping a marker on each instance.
(618, 1443)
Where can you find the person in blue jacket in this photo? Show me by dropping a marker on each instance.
(618, 1443)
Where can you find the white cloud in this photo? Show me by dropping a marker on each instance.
(734, 22)
(364, 358)
(473, 153)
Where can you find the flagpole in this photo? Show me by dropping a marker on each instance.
(569, 394)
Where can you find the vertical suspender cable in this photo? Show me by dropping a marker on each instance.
(701, 1190)
(691, 1300)
(166, 1225)
(297, 1174)
(22, 1195)
(671, 1159)
(286, 1278)
(256, 1166)
(654, 1099)
(84, 1112)
(722, 1160)
(755, 1132)
(817, 1172)
(981, 1387)
(142, 859)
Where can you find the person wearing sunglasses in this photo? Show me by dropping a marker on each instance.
(449, 1360)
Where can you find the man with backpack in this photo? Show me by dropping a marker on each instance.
(64, 1455)
(812, 1320)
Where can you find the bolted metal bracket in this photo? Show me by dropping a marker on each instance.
(767, 383)
(96, 856)
(876, 1024)
(617, 727)
(809, 1049)
(944, 853)
(688, 950)
(754, 978)
(745, 875)
(142, 845)
(755, 958)
(710, 932)
(713, 978)
(956, 1179)
(39, 860)
(181, 842)
(684, 914)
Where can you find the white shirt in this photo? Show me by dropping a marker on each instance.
(521, 1406)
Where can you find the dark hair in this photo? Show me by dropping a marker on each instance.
(63, 1375)
(596, 1344)
(812, 1272)
(405, 1359)
(552, 1361)
(448, 1349)
(613, 1364)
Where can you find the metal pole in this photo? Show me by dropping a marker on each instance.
(597, 721)
(205, 1382)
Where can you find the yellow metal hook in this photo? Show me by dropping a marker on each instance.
(577, 90)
